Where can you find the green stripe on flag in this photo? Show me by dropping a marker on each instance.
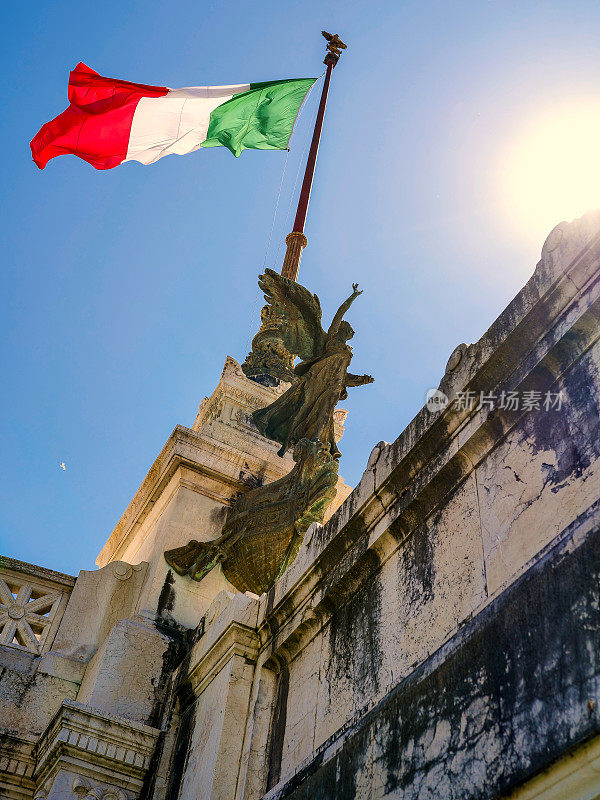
(260, 119)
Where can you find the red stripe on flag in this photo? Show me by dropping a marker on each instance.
(97, 124)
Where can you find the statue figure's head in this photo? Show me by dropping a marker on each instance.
(346, 331)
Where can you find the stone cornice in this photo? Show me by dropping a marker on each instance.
(99, 741)
(17, 763)
(237, 639)
(234, 384)
(59, 579)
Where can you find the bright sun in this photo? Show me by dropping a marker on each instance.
(552, 172)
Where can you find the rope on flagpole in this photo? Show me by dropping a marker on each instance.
(288, 214)
(268, 247)
(298, 115)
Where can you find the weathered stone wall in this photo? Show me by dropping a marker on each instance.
(518, 500)
(93, 648)
(33, 681)
(509, 694)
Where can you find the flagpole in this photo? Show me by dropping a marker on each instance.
(296, 241)
(269, 361)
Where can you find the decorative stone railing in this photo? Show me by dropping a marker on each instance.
(32, 602)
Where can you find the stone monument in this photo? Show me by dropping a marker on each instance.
(438, 636)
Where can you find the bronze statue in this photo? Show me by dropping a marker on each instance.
(306, 409)
(265, 527)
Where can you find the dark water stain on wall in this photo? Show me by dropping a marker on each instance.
(278, 724)
(181, 751)
(416, 565)
(516, 688)
(573, 431)
(173, 709)
(166, 599)
(353, 661)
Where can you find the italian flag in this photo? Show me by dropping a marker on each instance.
(111, 121)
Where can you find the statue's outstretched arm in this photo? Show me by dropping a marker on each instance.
(339, 315)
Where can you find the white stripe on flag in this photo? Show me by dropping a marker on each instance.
(175, 123)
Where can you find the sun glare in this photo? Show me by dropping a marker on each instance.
(552, 172)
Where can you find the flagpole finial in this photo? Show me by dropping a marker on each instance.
(334, 48)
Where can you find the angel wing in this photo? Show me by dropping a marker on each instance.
(303, 332)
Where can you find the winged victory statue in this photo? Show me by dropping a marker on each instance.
(306, 409)
(265, 526)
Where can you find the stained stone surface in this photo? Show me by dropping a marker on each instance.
(503, 699)
(550, 473)
(402, 614)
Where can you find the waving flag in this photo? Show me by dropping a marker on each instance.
(111, 121)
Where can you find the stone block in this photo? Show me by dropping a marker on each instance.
(99, 599)
(403, 613)
(220, 713)
(17, 764)
(301, 707)
(28, 700)
(128, 674)
(58, 666)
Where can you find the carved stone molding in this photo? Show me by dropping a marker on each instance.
(109, 755)
(234, 400)
(17, 764)
(123, 571)
(231, 632)
(82, 788)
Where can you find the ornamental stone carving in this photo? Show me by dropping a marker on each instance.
(26, 613)
(83, 788)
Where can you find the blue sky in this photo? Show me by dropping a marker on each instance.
(124, 290)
